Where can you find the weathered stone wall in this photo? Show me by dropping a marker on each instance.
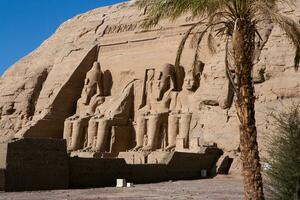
(92, 172)
(43, 164)
(33, 164)
(34, 89)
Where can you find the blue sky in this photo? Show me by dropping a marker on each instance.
(25, 24)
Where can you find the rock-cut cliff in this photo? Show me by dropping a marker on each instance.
(41, 90)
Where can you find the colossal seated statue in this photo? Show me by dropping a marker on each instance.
(91, 97)
(152, 117)
(117, 111)
(186, 104)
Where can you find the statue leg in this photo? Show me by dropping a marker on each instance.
(77, 136)
(172, 131)
(67, 132)
(92, 132)
(185, 122)
(140, 132)
(102, 134)
(153, 130)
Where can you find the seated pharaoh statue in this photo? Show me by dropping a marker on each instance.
(91, 97)
(116, 111)
(186, 105)
(153, 116)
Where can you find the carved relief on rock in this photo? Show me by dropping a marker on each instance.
(91, 97)
(152, 120)
(165, 119)
(120, 28)
(115, 112)
(180, 117)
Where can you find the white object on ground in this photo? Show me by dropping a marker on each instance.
(129, 184)
(121, 183)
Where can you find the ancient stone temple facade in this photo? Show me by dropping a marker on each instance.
(165, 118)
(101, 83)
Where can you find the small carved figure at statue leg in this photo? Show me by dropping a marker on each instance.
(102, 136)
(140, 132)
(153, 131)
(92, 131)
(67, 132)
(77, 136)
(184, 122)
(172, 132)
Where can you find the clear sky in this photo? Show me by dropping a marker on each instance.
(25, 24)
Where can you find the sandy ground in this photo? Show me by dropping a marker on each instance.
(219, 188)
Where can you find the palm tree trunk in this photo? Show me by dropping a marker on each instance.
(243, 44)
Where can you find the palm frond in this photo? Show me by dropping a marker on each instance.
(263, 38)
(297, 59)
(183, 41)
(289, 26)
(224, 13)
(211, 43)
(197, 47)
(172, 9)
(227, 68)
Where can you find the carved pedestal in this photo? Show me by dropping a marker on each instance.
(159, 157)
(134, 157)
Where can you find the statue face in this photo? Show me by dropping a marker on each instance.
(96, 66)
(150, 74)
(160, 86)
(87, 93)
(189, 83)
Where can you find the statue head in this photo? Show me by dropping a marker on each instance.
(150, 74)
(163, 80)
(96, 66)
(87, 93)
(191, 81)
(91, 83)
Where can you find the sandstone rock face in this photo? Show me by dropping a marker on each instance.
(41, 90)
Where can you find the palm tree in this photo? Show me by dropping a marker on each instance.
(237, 22)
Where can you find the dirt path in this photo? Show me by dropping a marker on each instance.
(219, 188)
